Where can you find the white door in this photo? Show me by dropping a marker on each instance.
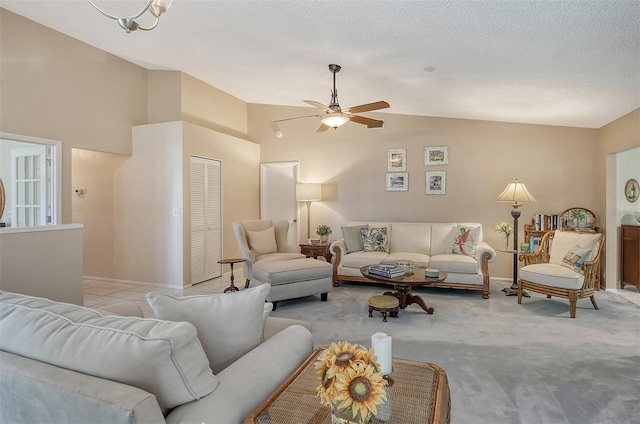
(206, 219)
(31, 185)
(278, 195)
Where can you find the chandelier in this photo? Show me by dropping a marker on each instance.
(155, 7)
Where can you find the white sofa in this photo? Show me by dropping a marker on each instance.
(62, 363)
(426, 244)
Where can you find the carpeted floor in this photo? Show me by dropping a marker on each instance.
(506, 363)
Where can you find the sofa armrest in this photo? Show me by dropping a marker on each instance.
(124, 309)
(249, 381)
(274, 325)
(483, 247)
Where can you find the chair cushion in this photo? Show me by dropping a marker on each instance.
(353, 240)
(263, 242)
(284, 272)
(454, 263)
(279, 256)
(466, 240)
(410, 237)
(160, 357)
(375, 239)
(563, 241)
(552, 275)
(229, 325)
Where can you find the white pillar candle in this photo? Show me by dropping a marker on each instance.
(381, 344)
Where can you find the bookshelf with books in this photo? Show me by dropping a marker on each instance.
(574, 219)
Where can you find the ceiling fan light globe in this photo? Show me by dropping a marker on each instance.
(335, 119)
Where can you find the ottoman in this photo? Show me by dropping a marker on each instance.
(294, 278)
(384, 304)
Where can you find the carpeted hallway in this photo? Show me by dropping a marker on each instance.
(506, 363)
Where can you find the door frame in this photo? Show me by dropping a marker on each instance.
(56, 175)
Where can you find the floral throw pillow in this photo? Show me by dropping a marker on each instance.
(466, 240)
(574, 258)
(375, 239)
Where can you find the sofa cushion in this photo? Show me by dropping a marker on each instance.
(563, 241)
(552, 275)
(263, 242)
(353, 239)
(419, 259)
(360, 259)
(442, 238)
(163, 358)
(466, 240)
(449, 262)
(410, 237)
(375, 239)
(229, 325)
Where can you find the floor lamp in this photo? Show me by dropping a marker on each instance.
(308, 192)
(516, 193)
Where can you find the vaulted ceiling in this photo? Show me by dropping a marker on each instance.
(570, 63)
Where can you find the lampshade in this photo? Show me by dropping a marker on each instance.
(334, 119)
(516, 193)
(308, 192)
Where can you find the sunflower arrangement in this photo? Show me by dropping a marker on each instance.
(350, 381)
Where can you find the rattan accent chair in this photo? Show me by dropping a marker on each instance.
(567, 265)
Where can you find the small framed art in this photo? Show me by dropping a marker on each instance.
(397, 160)
(632, 190)
(436, 182)
(438, 155)
(398, 181)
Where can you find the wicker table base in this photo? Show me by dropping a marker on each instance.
(420, 395)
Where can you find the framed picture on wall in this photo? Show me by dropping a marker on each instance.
(397, 160)
(436, 182)
(436, 155)
(397, 181)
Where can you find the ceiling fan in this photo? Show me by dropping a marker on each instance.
(334, 116)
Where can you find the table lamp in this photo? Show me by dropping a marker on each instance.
(516, 193)
(308, 192)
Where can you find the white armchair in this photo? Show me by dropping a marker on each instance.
(256, 243)
(567, 265)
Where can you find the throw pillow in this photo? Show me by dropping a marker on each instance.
(375, 239)
(574, 257)
(229, 325)
(263, 242)
(353, 239)
(466, 240)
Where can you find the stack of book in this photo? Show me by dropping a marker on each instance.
(388, 271)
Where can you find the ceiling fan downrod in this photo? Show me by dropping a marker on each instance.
(334, 105)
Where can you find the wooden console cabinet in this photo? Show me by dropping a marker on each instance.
(631, 256)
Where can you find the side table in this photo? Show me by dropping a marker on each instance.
(513, 290)
(311, 250)
(231, 262)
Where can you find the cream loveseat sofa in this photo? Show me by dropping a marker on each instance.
(455, 248)
(62, 363)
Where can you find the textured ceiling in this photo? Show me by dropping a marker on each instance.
(572, 63)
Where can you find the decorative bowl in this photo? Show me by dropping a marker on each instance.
(431, 272)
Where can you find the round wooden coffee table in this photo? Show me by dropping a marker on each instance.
(403, 285)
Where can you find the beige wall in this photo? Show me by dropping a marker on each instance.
(56, 87)
(555, 163)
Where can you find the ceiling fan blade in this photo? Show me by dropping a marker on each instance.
(367, 107)
(297, 117)
(323, 128)
(318, 105)
(367, 121)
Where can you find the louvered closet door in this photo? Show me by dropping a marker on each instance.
(206, 219)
